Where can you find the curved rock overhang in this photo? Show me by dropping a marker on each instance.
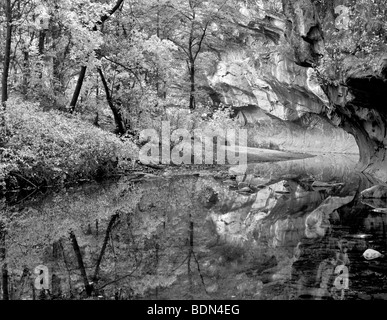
(282, 82)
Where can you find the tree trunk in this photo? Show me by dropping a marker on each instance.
(81, 265)
(116, 113)
(58, 70)
(42, 40)
(78, 89)
(107, 16)
(158, 36)
(83, 69)
(105, 241)
(41, 43)
(7, 53)
(192, 102)
(26, 72)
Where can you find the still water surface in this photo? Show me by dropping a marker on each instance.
(287, 230)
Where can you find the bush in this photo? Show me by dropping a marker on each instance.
(52, 147)
(201, 118)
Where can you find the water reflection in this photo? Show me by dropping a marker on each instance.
(324, 167)
(192, 237)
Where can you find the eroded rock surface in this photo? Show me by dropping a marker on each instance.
(310, 133)
(376, 192)
(274, 73)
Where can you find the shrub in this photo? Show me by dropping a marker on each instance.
(53, 147)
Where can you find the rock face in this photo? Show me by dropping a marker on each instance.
(377, 192)
(274, 83)
(358, 102)
(273, 71)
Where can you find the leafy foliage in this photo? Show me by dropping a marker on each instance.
(357, 38)
(53, 147)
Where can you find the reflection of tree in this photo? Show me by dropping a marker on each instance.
(38, 233)
(112, 221)
(4, 268)
(322, 270)
(324, 274)
(91, 286)
(81, 265)
(155, 241)
(191, 253)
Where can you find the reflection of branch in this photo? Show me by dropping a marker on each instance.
(81, 265)
(112, 245)
(66, 264)
(181, 263)
(25, 179)
(27, 196)
(119, 279)
(200, 273)
(105, 241)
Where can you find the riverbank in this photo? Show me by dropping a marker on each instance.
(41, 149)
(45, 148)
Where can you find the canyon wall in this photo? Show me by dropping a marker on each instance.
(275, 71)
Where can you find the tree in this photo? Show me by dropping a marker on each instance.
(189, 25)
(134, 62)
(83, 68)
(7, 51)
(199, 29)
(116, 113)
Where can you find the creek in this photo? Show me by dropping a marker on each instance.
(293, 229)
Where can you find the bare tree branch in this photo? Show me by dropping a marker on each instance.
(201, 40)
(122, 66)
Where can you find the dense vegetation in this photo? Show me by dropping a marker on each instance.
(356, 40)
(46, 148)
(123, 66)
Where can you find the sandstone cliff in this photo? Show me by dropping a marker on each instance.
(275, 71)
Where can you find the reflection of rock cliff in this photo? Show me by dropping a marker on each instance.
(287, 210)
(317, 222)
(323, 167)
(309, 133)
(279, 217)
(273, 72)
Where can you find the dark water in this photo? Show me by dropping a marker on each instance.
(201, 237)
